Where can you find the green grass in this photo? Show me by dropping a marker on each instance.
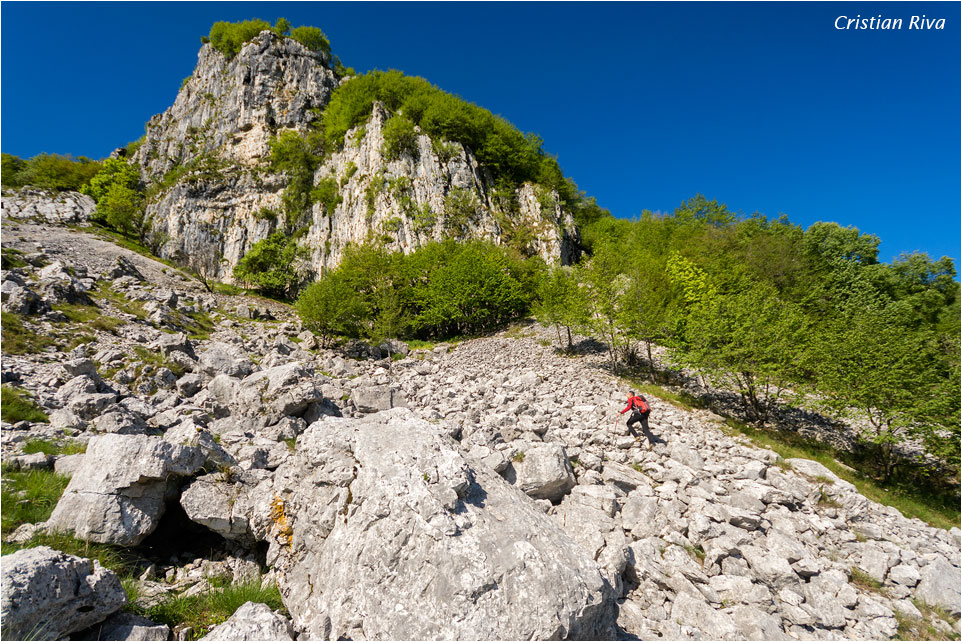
(18, 339)
(12, 258)
(29, 497)
(865, 581)
(926, 627)
(105, 292)
(936, 511)
(200, 612)
(16, 406)
(115, 558)
(48, 447)
(199, 325)
(91, 316)
(158, 361)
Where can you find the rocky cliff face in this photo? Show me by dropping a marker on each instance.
(213, 192)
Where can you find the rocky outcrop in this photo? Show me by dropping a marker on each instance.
(206, 158)
(117, 494)
(42, 206)
(382, 530)
(48, 594)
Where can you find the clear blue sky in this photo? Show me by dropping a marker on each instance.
(765, 107)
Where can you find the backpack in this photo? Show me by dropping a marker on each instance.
(640, 405)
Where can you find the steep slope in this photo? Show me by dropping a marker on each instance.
(212, 192)
(508, 458)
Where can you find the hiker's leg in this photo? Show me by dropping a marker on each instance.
(632, 419)
(644, 428)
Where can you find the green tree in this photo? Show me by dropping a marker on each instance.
(120, 201)
(749, 340)
(604, 287)
(867, 362)
(559, 302)
(332, 307)
(122, 209)
(11, 168)
(269, 265)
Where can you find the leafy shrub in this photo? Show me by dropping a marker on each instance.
(17, 406)
(312, 38)
(47, 171)
(299, 155)
(496, 143)
(269, 265)
(120, 202)
(229, 37)
(400, 138)
(461, 207)
(327, 192)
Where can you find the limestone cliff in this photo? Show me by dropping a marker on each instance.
(213, 193)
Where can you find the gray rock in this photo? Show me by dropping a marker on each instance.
(125, 267)
(130, 628)
(48, 594)
(189, 385)
(50, 207)
(35, 461)
(253, 621)
(117, 494)
(688, 610)
(375, 398)
(543, 472)
(67, 465)
(905, 575)
(225, 358)
(940, 586)
(424, 546)
(220, 505)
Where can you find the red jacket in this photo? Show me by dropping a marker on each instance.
(635, 402)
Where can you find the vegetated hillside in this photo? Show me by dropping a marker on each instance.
(269, 141)
(217, 454)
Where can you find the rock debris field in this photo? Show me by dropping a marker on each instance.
(481, 490)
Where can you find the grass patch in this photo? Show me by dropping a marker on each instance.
(825, 501)
(29, 497)
(48, 447)
(200, 612)
(104, 292)
(12, 259)
(199, 326)
(16, 406)
(518, 457)
(696, 552)
(115, 558)
(935, 510)
(926, 627)
(158, 361)
(18, 339)
(90, 315)
(865, 581)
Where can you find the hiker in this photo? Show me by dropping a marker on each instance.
(640, 409)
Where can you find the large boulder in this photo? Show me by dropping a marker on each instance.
(381, 529)
(117, 494)
(376, 398)
(267, 395)
(940, 586)
(225, 358)
(253, 621)
(48, 594)
(543, 471)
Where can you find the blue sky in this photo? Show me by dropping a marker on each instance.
(763, 106)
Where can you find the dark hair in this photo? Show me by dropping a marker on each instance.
(632, 393)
